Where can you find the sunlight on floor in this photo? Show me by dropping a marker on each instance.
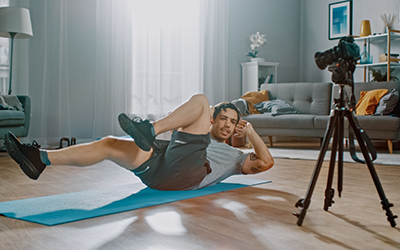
(240, 210)
(169, 223)
(271, 198)
(100, 235)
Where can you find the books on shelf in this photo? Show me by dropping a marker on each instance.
(393, 57)
(268, 79)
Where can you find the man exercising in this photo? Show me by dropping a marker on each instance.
(195, 157)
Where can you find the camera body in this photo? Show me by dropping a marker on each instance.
(341, 60)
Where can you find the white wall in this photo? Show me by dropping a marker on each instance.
(314, 35)
(279, 20)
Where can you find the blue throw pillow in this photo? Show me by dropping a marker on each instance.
(276, 107)
(388, 103)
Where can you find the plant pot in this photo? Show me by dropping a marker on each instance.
(257, 59)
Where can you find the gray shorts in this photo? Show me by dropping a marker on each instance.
(178, 164)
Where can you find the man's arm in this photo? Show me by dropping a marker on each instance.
(262, 159)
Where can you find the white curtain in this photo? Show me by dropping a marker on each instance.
(173, 48)
(48, 73)
(214, 34)
(166, 55)
(143, 57)
(113, 74)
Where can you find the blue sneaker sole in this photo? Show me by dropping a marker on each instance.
(129, 127)
(12, 149)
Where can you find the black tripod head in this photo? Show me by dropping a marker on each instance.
(341, 61)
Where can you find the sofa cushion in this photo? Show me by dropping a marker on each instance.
(387, 103)
(308, 98)
(292, 121)
(369, 100)
(276, 107)
(255, 97)
(369, 123)
(385, 122)
(11, 118)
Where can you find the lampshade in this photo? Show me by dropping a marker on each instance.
(365, 28)
(15, 20)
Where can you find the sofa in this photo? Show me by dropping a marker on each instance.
(16, 121)
(313, 101)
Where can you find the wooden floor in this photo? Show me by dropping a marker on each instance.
(248, 218)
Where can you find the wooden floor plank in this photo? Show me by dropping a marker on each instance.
(248, 218)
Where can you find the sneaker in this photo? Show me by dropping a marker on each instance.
(140, 130)
(26, 155)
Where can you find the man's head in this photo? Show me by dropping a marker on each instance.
(225, 118)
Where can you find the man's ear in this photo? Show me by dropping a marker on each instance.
(212, 121)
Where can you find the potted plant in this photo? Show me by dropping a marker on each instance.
(257, 40)
(378, 77)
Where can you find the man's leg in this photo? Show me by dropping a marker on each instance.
(33, 161)
(122, 151)
(193, 117)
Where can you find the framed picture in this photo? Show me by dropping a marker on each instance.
(340, 19)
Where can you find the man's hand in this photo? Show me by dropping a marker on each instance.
(241, 128)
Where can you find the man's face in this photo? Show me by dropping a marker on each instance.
(224, 125)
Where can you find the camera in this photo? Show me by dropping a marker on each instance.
(346, 50)
(341, 60)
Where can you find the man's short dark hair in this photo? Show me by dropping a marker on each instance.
(224, 106)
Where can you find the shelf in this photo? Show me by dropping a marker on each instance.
(252, 71)
(380, 64)
(379, 37)
(268, 64)
(385, 38)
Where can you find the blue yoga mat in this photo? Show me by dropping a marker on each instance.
(64, 208)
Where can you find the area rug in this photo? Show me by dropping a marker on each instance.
(63, 208)
(382, 158)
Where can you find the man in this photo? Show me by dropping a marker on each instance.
(191, 160)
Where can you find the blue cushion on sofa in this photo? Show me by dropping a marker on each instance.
(12, 118)
(276, 107)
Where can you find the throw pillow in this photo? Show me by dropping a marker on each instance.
(13, 102)
(3, 103)
(387, 103)
(254, 98)
(369, 100)
(276, 107)
(241, 104)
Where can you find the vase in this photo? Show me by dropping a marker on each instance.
(365, 28)
(257, 59)
(366, 58)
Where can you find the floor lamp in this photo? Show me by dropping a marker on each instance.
(15, 22)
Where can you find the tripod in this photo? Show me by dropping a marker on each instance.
(336, 124)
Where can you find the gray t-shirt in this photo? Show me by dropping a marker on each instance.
(224, 162)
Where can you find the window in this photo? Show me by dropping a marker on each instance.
(4, 57)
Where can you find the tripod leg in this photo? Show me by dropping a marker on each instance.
(386, 205)
(340, 156)
(305, 203)
(329, 191)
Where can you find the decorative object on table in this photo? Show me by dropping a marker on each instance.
(378, 77)
(68, 142)
(365, 28)
(257, 40)
(388, 20)
(365, 58)
(340, 19)
(15, 22)
(393, 57)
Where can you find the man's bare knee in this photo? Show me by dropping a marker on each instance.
(107, 142)
(201, 99)
(107, 145)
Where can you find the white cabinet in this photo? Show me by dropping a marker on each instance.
(379, 40)
(252, 71)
